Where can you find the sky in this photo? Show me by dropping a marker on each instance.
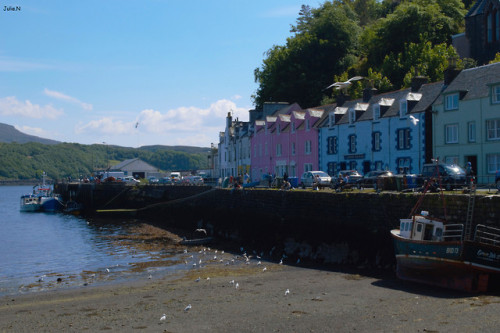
(135, 73)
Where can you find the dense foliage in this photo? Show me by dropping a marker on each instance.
(30, 160)
(385, 41)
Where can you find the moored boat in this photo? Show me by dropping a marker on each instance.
(41, 199)
(430, 250)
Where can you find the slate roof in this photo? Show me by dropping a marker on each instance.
(474, 82)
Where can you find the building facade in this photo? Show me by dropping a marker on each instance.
(466, 121)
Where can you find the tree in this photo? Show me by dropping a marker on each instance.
(413, 22)
(324, 44)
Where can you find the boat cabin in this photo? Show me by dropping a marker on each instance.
(422, 227)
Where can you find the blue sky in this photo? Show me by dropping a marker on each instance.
(135, 73)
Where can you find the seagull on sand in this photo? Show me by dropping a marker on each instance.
(344, 85)
(287, 292)
(197, 280)
(187, 308)
(237, 285)
(164, 317)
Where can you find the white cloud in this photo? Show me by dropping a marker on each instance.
(285, 11)
(106, 125)
(181, 126)
(15, 65)
(61, 96)
(10, 106)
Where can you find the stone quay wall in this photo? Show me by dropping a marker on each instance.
(348, 228)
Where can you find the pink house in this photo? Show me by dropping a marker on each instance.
(285, 142)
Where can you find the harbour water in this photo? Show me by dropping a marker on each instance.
(43, 251)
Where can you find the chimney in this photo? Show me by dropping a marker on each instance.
(368, 93)
(229, 120)
(451, 72)
(417, 82)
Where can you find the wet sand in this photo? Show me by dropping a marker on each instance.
(318, 301)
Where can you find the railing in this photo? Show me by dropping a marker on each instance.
(453, 232)
(487, 235)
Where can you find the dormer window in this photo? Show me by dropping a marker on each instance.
(495, 94)
(376, 111)
(352, 116)
(451, 102)
(403, 108)
(331, 119)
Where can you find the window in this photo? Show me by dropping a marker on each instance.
(497, 25)
(265, 149)
(278, 129)
(404, 165)
(278, 149)
(352, 116)
(450, 160)
(376, 112)
(331, 119)
(489, 27)
(308, 147)
(353, 165)
(352, 143)
(493, 161)
(403, 138)
(293, 127)
(293, 148)
(495, 94)
(403, 108)
(376, 141)
(308, 167)
(331, 143)
(378, 165)
(331, 168)
(451, 133)
(308, 127)
(471, 131)
(451, 102)
(493, 129)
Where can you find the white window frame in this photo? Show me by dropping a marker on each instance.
(278, 149)
(493, 162)
(352, 116)
(451, 102)
(331, 119)
(403, 108)
(308, 167)
(471, 131)
(451, 133)
(493, 129)
(308, 147)
(495, 93)
(376, 111)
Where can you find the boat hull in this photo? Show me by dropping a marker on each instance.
(51, 204)
(445, 264)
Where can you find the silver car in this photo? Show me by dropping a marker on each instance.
(308, 178)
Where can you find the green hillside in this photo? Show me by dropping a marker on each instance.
(29, 160)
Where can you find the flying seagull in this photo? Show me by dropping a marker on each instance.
(414, 120)
(344, 85)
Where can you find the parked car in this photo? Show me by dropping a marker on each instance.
(451, 175)
(129, 180)
(350, 176)
(370, 179)
(165, 180)
(193, 180)
(153, 180)
(307, 179)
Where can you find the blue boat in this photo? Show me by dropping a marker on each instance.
(41, 199)
(456, 256)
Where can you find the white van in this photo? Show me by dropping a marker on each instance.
(176, 177)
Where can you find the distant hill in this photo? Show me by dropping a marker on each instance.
(186, 149)
(9, 133)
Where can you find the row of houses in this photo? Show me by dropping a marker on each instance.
(456, 120)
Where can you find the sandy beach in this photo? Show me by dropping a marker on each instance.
(249, 298)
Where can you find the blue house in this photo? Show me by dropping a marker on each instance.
(379, 132)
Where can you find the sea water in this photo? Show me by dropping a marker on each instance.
(42, 251)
